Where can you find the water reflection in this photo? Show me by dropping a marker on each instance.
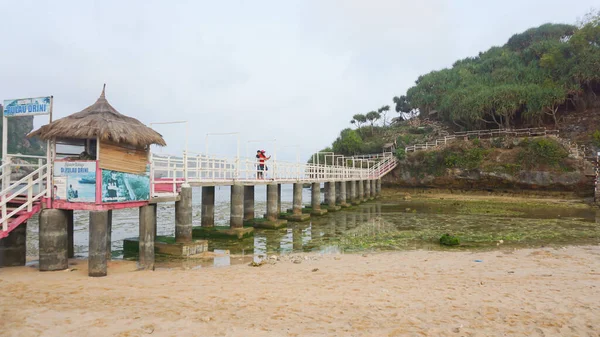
(387, 225)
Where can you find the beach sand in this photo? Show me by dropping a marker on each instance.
(528, 292)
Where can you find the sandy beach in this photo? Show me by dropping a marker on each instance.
(529, 292)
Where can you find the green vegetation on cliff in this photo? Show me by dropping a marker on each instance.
(536, 77)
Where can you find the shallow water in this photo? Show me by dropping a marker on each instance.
(375, 226)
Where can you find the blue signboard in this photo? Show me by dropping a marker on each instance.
(27, 106)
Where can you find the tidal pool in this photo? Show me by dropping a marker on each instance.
(383, 225)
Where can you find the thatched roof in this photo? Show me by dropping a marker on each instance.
(103, 121)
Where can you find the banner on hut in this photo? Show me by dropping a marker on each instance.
(27, 106)
(75, 181)
(123, 187)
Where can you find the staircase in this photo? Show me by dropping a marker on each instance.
(21, 199)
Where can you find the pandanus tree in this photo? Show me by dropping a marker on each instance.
(383, 112)
(359, 119)
(372, 116)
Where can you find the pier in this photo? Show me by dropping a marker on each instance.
(121, 172)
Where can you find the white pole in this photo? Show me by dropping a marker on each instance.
(237, 164)
(274, 158)
(4, 135)
(49, 151)
(4, 148)
(185, 155)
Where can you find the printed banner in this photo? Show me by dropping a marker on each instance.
(27, 106)
(60, 188)
(120, 186)
(80, 180)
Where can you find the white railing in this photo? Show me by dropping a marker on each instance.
(13, 190)
(531, 132)
(168, 171)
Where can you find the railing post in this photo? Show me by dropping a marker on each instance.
(41, 181)
(29, 193)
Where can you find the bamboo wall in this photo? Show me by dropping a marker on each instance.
(123, 158)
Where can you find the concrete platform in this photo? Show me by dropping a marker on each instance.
(305, 210)
(164, 245)
(268, 224)
(297, 217)
(219, 232)
(332, 209)
(315, 212)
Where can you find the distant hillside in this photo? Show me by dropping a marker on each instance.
(538, 77)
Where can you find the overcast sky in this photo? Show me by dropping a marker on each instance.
(294, 71)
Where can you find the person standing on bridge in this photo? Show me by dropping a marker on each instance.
(261, 167)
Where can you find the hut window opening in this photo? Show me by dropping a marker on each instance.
(76, 149)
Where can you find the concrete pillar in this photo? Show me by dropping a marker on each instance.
(208, 206)
(378, 187)
(155, 217)
(248, 203)
(13, 248)
(97, 262)
(373, 188)
(53, 240)
(331, 196)
(338, 193)
(297, 201)
(354, 192)
(316, 196)
(236, 218)
(349, 192)
(278, 200)
(367, 189)
(326, 191)
(147, 225)
(361, 190)
(272, 214)
(109, 236)
(342, 193)
(70, 234)
(183, 215)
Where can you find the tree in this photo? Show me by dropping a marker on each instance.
(359, 119)
(402, 104)
(348, 143)
(383, 111)
(372, 116)
(353, 121)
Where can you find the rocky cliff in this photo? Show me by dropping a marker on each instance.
(497, 164)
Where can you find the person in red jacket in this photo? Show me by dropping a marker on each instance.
(261, 167)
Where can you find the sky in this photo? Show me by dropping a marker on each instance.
(286, 76)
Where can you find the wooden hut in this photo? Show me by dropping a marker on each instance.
(99, 157)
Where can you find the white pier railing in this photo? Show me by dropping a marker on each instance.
(168, 171)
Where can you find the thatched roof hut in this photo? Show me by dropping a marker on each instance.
(103, 121)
